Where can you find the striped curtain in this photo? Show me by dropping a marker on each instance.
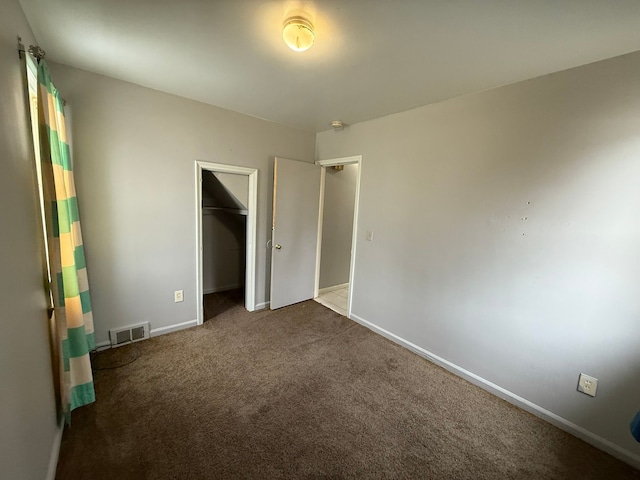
(73, 320)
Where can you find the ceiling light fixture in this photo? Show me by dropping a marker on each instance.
(298, 33)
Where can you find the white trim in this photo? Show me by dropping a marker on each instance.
(173, 328)
(323, 173)
(55, 449)
(252, 218)
(154, 332)
(223, 288)
(339, 161)
(560, 422)
(262, 305)
(354, 237)
(332, 288)
(356, 159)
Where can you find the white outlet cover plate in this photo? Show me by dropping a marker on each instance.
(587, 384)
(178, 296)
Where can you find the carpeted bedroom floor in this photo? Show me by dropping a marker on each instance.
(303, 392)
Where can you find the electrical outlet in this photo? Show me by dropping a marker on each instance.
(178, 296)
(370, 236)
(587, 384)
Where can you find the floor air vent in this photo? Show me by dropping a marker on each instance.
(133, 333)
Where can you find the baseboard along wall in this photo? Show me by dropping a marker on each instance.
(332, 288)
(223, 288)
(154, 332)
(55, 451)
(550, 417)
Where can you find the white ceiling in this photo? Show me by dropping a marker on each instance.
(371, 57)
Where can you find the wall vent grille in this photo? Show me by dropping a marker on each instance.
(132, 333)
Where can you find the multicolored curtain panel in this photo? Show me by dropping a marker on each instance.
(69, 282)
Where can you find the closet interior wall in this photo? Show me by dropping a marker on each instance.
(224, 200)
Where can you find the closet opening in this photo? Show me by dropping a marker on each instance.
(337, 222)
(226, 205)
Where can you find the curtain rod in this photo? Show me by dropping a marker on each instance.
(34, 50)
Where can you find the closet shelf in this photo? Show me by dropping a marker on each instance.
(238, 211)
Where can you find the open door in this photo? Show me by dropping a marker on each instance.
(296, 203)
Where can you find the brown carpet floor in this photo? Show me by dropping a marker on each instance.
(303, 392)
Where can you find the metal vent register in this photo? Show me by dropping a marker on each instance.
(132, 333)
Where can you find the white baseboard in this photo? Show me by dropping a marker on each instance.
(331, 289)
(172, 328)
(55, 451)
(154, 332)
(560, 422)
(223, 288)
(260, 306)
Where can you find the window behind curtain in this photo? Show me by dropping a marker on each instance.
(32, 81)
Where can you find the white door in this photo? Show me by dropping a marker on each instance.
(296, 204)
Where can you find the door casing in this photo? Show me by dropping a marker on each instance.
(357, 159)
(252, 216)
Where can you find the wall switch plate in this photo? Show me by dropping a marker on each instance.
(370, 236)
(587, 384)
(178, 296)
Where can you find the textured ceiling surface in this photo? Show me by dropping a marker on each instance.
(371, 57)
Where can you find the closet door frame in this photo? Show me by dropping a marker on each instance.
(252, 217)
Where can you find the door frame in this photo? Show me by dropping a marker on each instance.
(252, 218)
(356, 159)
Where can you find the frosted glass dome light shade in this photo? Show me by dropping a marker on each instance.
(298, 34)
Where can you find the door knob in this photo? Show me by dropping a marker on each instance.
(277, 246)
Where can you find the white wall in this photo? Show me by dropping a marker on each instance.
(27, 404)
(135, 151)
(237, 185)
(507, 236)
(337, 225)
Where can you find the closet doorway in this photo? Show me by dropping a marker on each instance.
(339, 189)
(226, 201)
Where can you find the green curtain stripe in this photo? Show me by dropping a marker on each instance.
(65, 155)
(78, 254)
(82, 395)
(85, 299)
(70, 279)
(91, 341)
(44, 78)
(60, 153)
(77, 342)
(67, 214)
(54, 149)
(64, 223)
(72, 205)
(60, 281)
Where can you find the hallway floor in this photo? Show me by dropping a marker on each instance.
(336, 299)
